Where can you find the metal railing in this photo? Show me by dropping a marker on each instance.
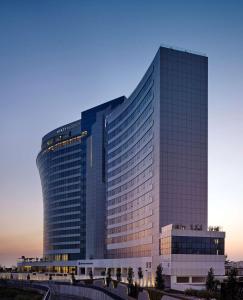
(43, 286)
(27, 284)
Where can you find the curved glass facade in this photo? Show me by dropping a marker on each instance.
(157, 156)
(127, 184)
(130, 174)
(71, 161)
(59, 163)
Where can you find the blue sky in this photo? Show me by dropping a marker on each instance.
(58, 58)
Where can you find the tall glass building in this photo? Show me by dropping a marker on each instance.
(93, 185)
(156, 175)
(157, 155)
(59, 163)
(71, 162)
(126, 186)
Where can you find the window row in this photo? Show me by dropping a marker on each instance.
(47, 177)
(64, 166)
(132, 161)
(49, 227)
(129, 237)
(65, 174)
(143, 211)
(132, 116)
(192, 245)
(57, 257)
(59, 247)
(63, 189)
(64, 257)
(141, 201)
(62, 219)
(129, 131)
(63, 182)
(65, 158)
(171, 99)
(63, 232)
(62, 203)
(147, 161)
(130, 226)
(64, 196)
(64, 143)
(174, 156)
(147, 173)
(146, 125)
(141, 189)
(136, 251)
(133, 104)
(188, 184)
(63, 239)
(146, 137)
(181, 116)
(51, 213)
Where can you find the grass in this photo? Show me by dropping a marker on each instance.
(9, 293)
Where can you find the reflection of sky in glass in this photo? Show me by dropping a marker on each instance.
(58, 58)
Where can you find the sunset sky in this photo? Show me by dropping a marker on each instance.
(58, 58)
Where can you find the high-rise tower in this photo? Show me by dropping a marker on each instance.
(127, 185)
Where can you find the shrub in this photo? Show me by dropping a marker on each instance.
(202, 294)
(159, 279)
(118, 274)
(108, 277)
(134, 290)
(154, 294)
(130, 275)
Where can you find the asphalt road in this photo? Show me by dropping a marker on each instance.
(67, 297)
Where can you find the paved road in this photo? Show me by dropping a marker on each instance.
(67, 297)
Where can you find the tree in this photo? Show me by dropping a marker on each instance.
(73, 279)
(210, 282)
(226, 259)
(232, 288)
(118, 274)
(130, 275)
(159, 279)
(140, 275)
(91, 274)
(108, 277)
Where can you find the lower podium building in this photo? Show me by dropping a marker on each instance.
(141, 198)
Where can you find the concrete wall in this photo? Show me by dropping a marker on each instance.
(89, 293)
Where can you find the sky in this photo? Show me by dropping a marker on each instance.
(58, 58)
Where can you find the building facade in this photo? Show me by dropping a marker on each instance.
(143, 177)
(157, 154)
(93, 176)
(71, 162)
(59, 164)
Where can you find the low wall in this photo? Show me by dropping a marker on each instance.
(43, 289)
(35, 276)
(165, 297)
(92, 293)
(60, 288)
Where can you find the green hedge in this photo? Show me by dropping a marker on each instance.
(9, 293)
(202, 294)
(154, 294)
